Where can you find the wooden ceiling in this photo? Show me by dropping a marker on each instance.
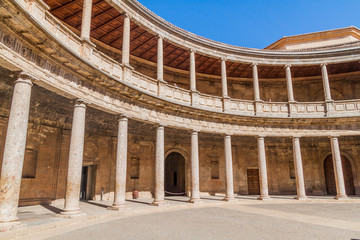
(107, 27)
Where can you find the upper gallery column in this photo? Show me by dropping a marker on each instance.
(326, 83)
(160, 59)
(86, 20)
(229, 170)
(192, 71)
(289, 85)
(121, 163)
(76, 151)
(339, 175)
(14, 151)
(224, 79)
(256, 82)
(195, 179)
(126, 41)
(159, 167)
(264, 190)
(300, 184)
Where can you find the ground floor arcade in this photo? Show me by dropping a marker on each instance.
(54, 148)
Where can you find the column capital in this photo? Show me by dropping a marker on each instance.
(260, 136)
(80, 103)
(126, 15)
(323, 64)
(25, 77)
(254, 64)
(160, 125)
(122, 118)
(192, 50)
(159, 36)
(228, 135)
(223, 59)
(334, 136)
(195, 131)
(287, 66)
(296, 137)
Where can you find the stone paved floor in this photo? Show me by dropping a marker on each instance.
(281, 218)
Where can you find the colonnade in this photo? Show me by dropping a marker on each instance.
(85, 34)
(14, 152)
(15, 142)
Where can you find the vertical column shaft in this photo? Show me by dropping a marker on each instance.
(14, 150)
(256, 82)
(300, 184)
(75, 161)
(86, 20)
(159, 167)
(264, 192)
(326, 83)
(229, 169)
(289, 84)
(195, 179)
(121, 163)
(339, 175)
(224, 79)
(192, 71)
(160, 60)
(126, 41)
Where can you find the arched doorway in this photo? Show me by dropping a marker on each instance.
(330, 176)
(174, 174)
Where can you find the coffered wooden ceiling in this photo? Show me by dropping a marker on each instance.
(107, 27)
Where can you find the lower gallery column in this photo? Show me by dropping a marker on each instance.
(159, 168)
(195, 185)
(264, 191)
(121, 162)
(229, 170)
(300, 185)
(72, 195)
(14, 152)
(339, 175)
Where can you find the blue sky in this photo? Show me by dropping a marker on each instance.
(256, 23)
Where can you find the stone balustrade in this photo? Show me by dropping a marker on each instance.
(39, 12)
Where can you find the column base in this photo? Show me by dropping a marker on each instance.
(9, 226)
(195, 200)
(118, 207)
(159, 203)
(341, 197)
(264, 198)
(301, 198)
(230, 199)
(71, 214)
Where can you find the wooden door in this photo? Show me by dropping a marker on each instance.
(253, 181)
(330, 176)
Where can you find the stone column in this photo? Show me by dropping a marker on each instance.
(195, 179)
(14, 151)
(76, 151)
(86, 20)
(326, 83)
(159, 167)
(224, 78)
(126, 41)
(339, 175)
(264, 191)
(160, 59)
(256, 83)
(192, 71)
(300, 184)
(121, 163)
(289, 84)
(229, 170)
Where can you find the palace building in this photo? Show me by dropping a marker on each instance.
(102, 99)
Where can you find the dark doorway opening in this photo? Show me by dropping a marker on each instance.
(253, 181)
(174, 174)
(87, 186)
(330, 176)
